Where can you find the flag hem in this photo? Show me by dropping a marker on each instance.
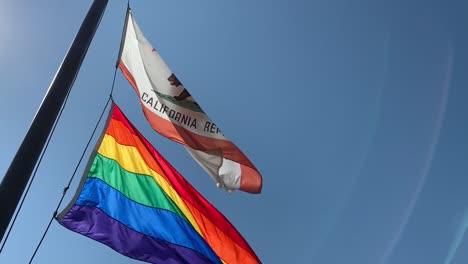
(88, 166)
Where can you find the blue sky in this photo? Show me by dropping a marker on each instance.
(354, 112)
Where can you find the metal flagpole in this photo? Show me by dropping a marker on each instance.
(19, 172)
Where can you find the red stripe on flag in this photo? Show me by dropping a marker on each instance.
(251, 181)
(186, 191)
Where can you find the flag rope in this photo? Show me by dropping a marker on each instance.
(35, 171)
(87, 145)
(70, 181)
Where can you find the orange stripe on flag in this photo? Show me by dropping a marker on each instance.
(215, 228)
(251, 181)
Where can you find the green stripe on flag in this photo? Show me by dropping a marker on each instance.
(137, 187)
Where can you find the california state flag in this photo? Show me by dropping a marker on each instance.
(172, 112)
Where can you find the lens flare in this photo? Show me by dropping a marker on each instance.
(430, 155)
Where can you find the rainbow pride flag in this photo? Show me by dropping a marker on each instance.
(132, 200)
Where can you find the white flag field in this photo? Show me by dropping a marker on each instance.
(172, 112)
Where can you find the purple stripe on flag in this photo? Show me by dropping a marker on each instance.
(95, 224)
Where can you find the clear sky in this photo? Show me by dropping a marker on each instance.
(353, 111)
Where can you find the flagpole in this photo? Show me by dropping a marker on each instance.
(20, 170)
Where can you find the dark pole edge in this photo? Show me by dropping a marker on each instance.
(19, 171)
